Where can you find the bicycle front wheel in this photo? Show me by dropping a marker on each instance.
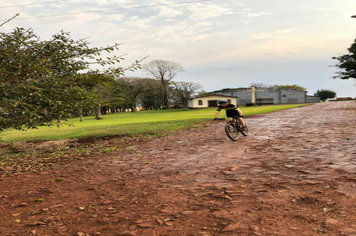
(231, 131)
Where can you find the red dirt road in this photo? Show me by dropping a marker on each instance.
(293, 175)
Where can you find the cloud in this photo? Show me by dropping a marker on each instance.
(179, 33)
(204, 24)
(329, 10)
(169, 12)
(106, 2)
(272, 34)
(203, 11)
(257, 14)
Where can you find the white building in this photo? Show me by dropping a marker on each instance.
(210, 100)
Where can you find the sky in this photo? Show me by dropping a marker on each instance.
(219, 43)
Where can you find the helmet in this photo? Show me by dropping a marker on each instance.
(222, 101)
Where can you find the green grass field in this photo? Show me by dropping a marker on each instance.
(144, 123)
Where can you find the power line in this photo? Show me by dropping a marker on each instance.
(116, 9)
(37, 3)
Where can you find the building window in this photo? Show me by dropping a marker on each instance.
(200, 102)
(284, 96)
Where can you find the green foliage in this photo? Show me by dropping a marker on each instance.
(347, 64)
(250, 104)
(290, 87)
(152, 98)
(133, 90)
(202, 93)
(43, 80)
(325, 94)
(225, 90)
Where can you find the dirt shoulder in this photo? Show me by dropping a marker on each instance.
(293, 175)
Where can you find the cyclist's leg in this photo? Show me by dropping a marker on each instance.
(242, 122)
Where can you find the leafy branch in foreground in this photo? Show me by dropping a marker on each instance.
(347, 64)
(42, 80)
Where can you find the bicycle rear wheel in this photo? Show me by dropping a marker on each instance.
(231, 131)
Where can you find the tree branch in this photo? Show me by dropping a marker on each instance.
(17, 14)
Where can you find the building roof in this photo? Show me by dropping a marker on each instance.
(214, 95)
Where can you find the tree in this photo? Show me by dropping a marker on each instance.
(325, 94)
(132, 88)
(290, 87)
(258, 85)
(183, 91)
(203, 93)
(41, 80)
(152, 98)
(164, 71)
(104, 93)
(347, 64)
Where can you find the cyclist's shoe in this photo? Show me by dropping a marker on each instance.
(244, 128)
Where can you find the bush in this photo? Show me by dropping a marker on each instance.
(250, 104)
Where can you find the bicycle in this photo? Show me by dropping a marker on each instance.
(233, 128)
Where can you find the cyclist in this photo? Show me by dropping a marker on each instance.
(231, 110)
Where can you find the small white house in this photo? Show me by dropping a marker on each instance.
(210, 100)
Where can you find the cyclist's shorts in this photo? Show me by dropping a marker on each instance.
(232, 113)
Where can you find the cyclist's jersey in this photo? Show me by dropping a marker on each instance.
(231, 110)
(228, 107)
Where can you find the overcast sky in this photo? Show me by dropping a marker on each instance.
(220, 43)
